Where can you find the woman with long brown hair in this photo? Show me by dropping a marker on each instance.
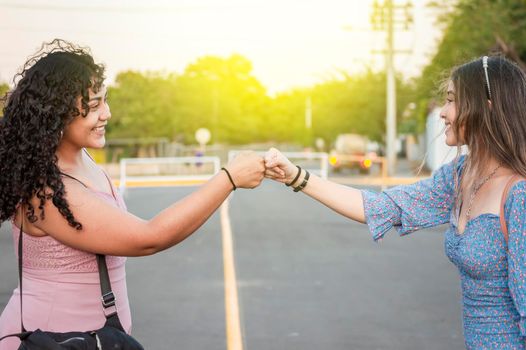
(481, 195)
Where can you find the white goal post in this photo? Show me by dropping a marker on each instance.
(166, 170)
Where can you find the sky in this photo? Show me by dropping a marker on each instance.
(291, 43)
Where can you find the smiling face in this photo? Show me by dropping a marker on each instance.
(449, 114)
(89, 131)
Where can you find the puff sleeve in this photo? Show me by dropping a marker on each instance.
(408, 208)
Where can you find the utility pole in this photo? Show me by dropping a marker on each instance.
(308, 122)
(308, 113)
(388, 17)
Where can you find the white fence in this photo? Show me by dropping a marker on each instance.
(166, 170)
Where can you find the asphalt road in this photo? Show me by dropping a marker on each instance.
(307, 278)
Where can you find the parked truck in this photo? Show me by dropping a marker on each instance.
(353, 151)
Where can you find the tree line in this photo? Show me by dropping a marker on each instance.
(472, 28)
(223, 95)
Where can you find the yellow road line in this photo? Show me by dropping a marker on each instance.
(233, 325)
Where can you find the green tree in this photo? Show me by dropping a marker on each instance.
(222, 95)
(286, 116)
(142, 106)
(217, 93)
(4, 88)
(472, 28)
(345, 104)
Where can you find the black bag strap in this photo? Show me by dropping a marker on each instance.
(20, 336)
(108, 298)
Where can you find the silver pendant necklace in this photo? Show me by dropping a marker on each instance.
(476, 188)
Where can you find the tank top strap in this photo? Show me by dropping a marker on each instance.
(111, 184)
(105, 174)
(74, 178)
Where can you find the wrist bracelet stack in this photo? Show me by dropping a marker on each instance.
(234, 187)
(303, 183)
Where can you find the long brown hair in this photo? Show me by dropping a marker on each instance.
(494, 129)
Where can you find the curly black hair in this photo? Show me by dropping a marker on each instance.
(43, 101)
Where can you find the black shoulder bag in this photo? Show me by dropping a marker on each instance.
(111, 336)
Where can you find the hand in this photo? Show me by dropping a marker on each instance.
(279, 167)
(247, 169)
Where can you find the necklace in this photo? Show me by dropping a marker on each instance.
(476, 188)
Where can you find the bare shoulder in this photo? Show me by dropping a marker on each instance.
(21, 218)
(74, 191)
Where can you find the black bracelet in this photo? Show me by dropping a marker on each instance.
(230, 178)
(303, 183)
(296, 178)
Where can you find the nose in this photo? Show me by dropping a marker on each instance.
(443, 112)
(106, 113)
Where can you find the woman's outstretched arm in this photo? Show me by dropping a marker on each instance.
(407, 208)
(344, 200)
(111, 231)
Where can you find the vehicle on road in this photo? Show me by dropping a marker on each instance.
(353, 151)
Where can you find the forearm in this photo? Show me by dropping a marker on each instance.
(181, 219)
(342, 199)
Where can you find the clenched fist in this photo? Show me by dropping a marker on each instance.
(279, 167)
(247, 169)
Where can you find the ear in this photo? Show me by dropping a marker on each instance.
(490, 104)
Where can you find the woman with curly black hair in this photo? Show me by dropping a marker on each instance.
(67, 206)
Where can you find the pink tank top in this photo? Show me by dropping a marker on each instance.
(61, 287)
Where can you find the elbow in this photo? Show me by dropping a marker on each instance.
(138, 249)
(146, 241)
(153, 241)
(147, 250)
(150, 245)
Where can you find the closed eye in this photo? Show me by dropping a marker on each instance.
(97, 100)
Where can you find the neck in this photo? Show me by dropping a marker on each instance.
(491, 165)
(69, 156)
(484, 166)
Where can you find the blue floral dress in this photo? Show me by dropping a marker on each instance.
(492, 273)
